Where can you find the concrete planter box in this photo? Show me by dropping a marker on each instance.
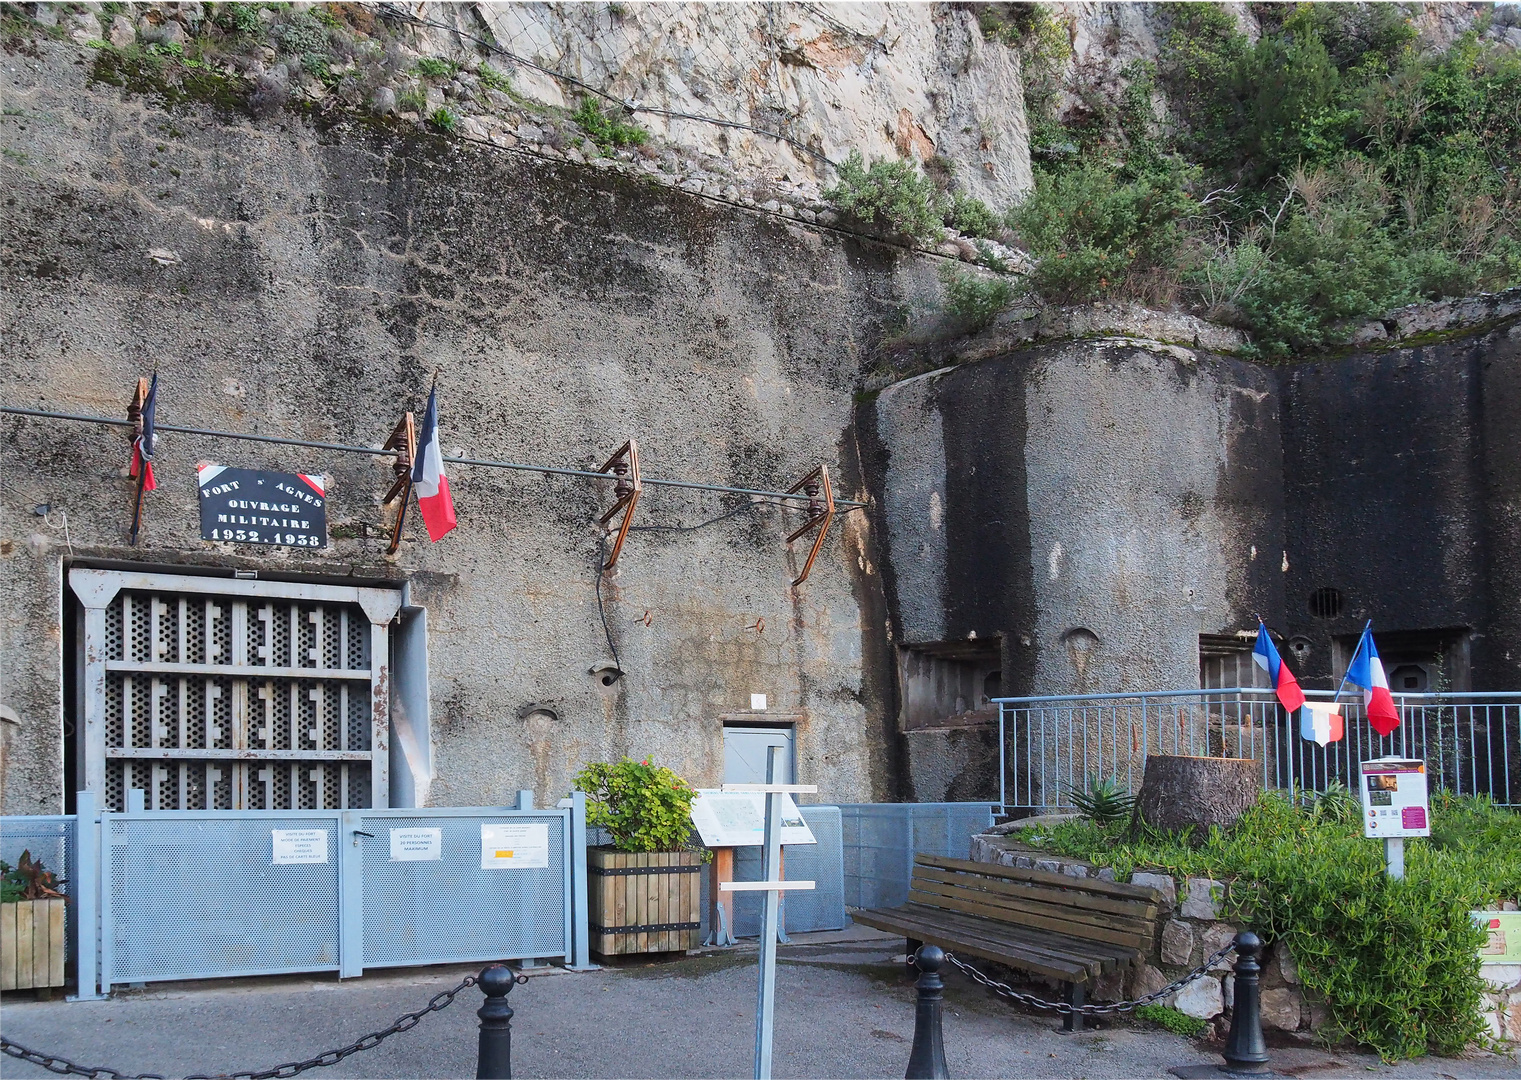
(32, 943)
(644, 902)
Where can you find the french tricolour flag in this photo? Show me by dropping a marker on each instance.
(1267, 658)
(1367, 671)
(142, 446)
(428, 476)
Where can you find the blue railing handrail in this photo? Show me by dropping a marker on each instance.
(1352, 695)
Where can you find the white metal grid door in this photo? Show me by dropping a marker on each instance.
(229, 694)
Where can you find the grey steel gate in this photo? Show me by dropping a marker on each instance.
(201, 893)
(216, 693)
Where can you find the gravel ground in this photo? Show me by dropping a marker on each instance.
(844, 1009)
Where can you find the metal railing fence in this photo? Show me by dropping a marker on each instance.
(1048, 746)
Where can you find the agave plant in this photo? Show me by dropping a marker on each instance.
(1103, 801)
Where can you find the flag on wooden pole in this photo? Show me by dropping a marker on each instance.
(428, 477)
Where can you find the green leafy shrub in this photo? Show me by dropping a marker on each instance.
(436, 67)
(1103, 801)
(234, 18)
(1097, 234)
(606, 131)
(1396, 961)
(973, 299)
(644, 807)
(892, 195)
(492, 79)
(444, 119)
(1179, 1023)
(27, 880)
(412, 101)
(972, 217)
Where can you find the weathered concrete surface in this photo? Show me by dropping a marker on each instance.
(307, 281)
(1108, 502)
(1404, 494)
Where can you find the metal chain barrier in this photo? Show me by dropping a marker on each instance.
(406, 1022)
(1065, 1008)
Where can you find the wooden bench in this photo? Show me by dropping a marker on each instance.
(1065, 928)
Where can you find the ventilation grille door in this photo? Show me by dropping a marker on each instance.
(211, 701)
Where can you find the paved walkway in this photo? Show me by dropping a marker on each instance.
(844, 1009)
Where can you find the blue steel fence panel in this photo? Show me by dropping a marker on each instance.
(452, 910)
(823, 863)
(191, 895)
(880, 841)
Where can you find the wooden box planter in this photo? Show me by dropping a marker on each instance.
(644, 902)
(32, 943)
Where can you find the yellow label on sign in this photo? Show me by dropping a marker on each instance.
(504, 854)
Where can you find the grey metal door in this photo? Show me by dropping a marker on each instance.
(745, 750)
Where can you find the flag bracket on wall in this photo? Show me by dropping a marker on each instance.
(820, 513)
(140, 413)
(625, 466)
(403, 442)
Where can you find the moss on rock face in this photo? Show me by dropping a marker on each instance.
(167, 79)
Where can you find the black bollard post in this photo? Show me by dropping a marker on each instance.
(494, 1060)
(1245, 1050)
(926, 1061)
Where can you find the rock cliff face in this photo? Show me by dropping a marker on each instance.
(889, 80)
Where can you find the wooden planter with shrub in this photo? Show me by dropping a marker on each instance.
(33, 930)
(644, 901)
(645, 890)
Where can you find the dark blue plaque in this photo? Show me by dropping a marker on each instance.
(251, 506)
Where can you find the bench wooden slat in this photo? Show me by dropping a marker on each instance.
(1117, 929)
(1066, 897)
(959, 941)
(1042, 922)
(1015, 899)
(1099, 956)
(1093, 885)
(1111, 954)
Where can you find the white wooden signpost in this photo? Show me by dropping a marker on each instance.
(731, 819)
(776, 794)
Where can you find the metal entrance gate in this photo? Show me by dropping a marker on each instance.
(210, 894)
(214, 693)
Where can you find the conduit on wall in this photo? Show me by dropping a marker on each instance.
(805, 493)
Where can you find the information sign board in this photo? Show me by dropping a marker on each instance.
(515, 846)
(738, 819)
(1394, 798)
(250, 506)
(1502, 944)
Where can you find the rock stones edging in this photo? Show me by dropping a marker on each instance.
(1189, 928)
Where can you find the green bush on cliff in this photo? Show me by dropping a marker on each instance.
(891, 195)
(1396, 961)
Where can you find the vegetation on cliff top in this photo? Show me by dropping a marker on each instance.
(1294, 186)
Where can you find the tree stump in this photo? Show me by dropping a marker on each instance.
(1179, 792)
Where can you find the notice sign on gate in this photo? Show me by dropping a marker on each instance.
(417, 845)
(249, 506)
(515, 847)
(293, 846)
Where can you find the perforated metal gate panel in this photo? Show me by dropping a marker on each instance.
(881, 839)
(193, 895)
(210, 693)
(451, 909)
(823, 908)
